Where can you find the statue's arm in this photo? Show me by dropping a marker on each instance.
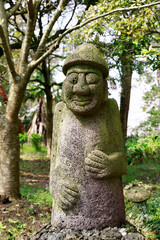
(98, 164)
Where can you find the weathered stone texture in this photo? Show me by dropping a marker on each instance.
(137, 192)
(88, 154)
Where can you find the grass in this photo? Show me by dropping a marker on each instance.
(40, 196)
(29, 152)
(20, 218)
(145, 172)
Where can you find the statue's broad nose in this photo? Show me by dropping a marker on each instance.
(81, 87)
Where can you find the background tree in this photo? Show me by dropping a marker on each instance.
(45, 82)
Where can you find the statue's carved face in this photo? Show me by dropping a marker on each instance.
(83, 89)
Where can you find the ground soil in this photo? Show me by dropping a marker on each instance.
(20, 218)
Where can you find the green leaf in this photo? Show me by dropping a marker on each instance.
(12, 221)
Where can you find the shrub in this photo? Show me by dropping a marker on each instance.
(36, 141)
(143, 149)
(22, 138)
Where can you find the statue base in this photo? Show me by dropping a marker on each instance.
(125, 232)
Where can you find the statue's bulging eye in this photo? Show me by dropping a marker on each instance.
(73, 78)
(91, 78)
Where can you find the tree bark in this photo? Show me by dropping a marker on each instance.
(10, 155)
(49, 115)
(158, 81)
(126, 77)
(49, 124)
(9, 143)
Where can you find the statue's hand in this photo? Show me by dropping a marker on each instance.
(96, 164)
(68, 196)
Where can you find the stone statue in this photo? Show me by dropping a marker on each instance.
(88, 151)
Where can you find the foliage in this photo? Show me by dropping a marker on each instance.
(146, 216)
(40, 196)
(151, 106)
(16, 229)
(151, 123)
(143, 149)
(23, 138)
(35, 87)
(152, 55)
(36, 140)
(28, 151)
(130, 26)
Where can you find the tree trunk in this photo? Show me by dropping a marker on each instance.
(10, 155)
(158, 83)
(49, 124)
(126, 77)
(49, 115)
(9, 143)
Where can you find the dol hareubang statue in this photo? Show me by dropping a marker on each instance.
(88, 154)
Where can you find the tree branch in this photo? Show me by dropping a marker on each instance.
(37, 80)
(31, 21)
(4, 37)
(150, 31)
(14, 9)
(36, 61)
(22, 12)
(53, 20)
(7, 53)
(58, 56)
(15, 25)
(74, 9)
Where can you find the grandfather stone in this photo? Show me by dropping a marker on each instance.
(88, 152)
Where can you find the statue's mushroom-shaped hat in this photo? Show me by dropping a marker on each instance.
(86, 54)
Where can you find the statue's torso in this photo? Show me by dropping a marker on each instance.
(77, 137)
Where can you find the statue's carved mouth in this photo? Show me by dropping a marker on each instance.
(82, 102)
(82, 98)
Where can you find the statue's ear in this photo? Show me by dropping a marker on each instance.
(105, 90)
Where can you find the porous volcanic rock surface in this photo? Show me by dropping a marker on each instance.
(126, 232)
